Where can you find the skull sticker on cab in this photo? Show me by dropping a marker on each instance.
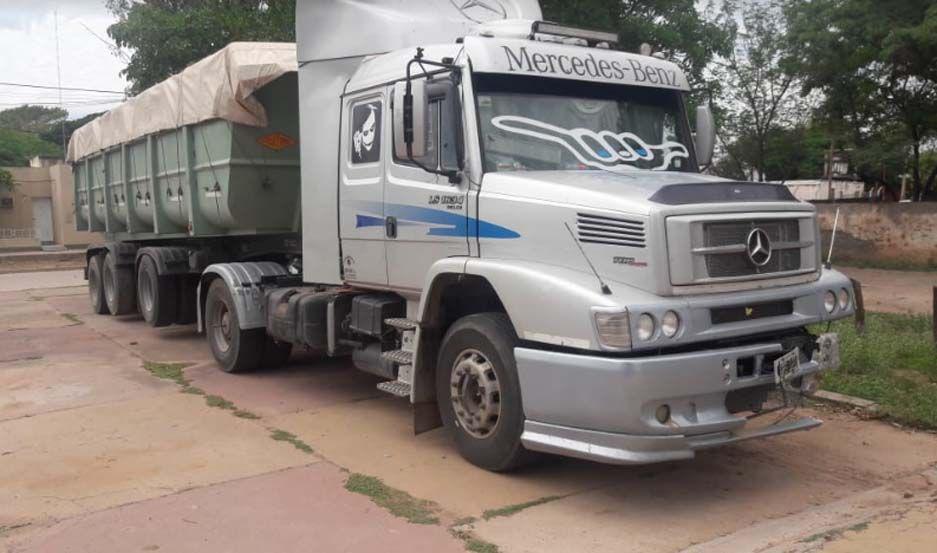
(366, 133)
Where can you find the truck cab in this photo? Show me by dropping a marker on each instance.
(540, 192)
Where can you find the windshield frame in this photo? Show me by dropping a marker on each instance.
(483, 83)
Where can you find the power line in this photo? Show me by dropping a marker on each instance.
(22, 85)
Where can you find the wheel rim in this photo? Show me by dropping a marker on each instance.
(221, 327)
(475, 394)
(146, 294)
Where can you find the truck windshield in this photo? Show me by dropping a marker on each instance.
(538, 124)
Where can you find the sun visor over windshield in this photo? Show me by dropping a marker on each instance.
(719, 192)
(559, 61)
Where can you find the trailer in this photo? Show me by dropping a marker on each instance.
(502, 218)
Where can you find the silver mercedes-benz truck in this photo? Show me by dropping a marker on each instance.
(504, 219)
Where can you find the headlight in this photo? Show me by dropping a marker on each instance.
(843, 299)
(829, 301)
(646, 327)
(614, 329)
(670, 324)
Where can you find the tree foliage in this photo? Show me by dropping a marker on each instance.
(17, 148)
(54, 135)
(759, 97)
(6, 180)
(35, 119)
(874, 62)
(674, 27)
(165, 36)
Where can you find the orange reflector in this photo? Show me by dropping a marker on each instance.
(276, 141)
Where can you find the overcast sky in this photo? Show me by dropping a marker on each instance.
(27, 53)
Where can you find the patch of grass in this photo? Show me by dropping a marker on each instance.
(241, 413)
(188, 389)
(73, 318)
(284, 436)
(399, 503)
(476, 545)
(893, 364)
(168, 371)
(4, 530)
(219, 402)
(835, 533)
(513, 509)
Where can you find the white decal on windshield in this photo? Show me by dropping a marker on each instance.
(602, 150)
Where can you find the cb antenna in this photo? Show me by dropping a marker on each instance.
(604, 287)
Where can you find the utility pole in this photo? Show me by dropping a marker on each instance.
(58, 68)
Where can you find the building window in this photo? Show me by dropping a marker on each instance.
(6, 203)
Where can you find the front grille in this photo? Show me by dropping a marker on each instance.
(785, 240)
(600, 229)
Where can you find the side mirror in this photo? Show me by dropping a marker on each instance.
(410, 119)
(705, 137)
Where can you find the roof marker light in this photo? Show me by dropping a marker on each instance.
(589, 35)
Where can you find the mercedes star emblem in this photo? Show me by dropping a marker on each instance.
(480, 11)
(759, 247)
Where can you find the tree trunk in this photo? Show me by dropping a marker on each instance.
(931, 180)
(916, 171)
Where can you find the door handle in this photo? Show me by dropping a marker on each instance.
(390, 227)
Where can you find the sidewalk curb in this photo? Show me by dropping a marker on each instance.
(864, 405)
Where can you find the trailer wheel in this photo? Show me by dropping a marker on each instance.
(236, 349)
(156, 297)
(479, 393)
(119, 287)
(276, 353)
(96, 284)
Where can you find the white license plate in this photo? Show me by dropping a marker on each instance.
(787, 366)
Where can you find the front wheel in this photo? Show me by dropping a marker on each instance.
(479, 394)
(236, 349)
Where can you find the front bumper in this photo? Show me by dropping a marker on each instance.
(603, 408)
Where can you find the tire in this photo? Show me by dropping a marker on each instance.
(236, 350)
(96, 284)
(476, 360)
(156, 297)
(276, 353)
(120, 290)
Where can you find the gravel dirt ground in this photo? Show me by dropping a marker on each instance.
(97, 454)
(896, 291)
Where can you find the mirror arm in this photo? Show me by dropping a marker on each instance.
(452, 175)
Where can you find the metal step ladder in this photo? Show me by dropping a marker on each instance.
(402, 358)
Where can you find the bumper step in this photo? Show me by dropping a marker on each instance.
(399, 356)
(401, 324)
(395, 388)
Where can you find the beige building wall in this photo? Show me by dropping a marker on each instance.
(50, 181)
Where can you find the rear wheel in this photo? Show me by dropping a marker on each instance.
(96, 284)
(119, 287)
(156, 297)
(236, 349)
(479, 393)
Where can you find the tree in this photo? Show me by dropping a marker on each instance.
(674, 27)
(55, 135)
(165, 36)
(17, 147)
(759, 97)
(34, 119)
(873, 60)
(6, 180)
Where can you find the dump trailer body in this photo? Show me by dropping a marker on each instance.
(215, 171)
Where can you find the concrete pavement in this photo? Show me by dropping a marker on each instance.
(97, 454)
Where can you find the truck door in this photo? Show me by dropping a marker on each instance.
(426, 214)
(365, 133)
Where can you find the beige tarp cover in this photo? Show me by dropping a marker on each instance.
(217, 87)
